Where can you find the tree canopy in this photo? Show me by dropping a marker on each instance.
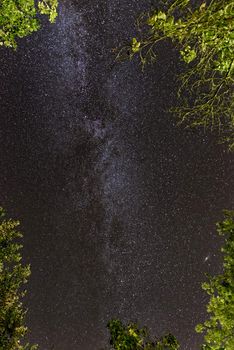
(131, 337)
(19, 18)
(13, 275)
(218, 330)
(203, 33)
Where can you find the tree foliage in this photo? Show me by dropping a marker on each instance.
(12, 277)
(204, 36)
(19, 18)
(218, 330)
(131, 337)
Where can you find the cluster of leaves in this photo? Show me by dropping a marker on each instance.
(48, 8)
(219, 329)
(205, 38)
(12, 276)
(131, 337)
(18, 18)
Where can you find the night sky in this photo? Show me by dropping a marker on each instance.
(117, 204)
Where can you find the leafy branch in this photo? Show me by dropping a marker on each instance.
(18, 18)
(13, 275)
(204, 36)
(219, 328)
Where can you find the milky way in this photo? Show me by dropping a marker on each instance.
(117, 203)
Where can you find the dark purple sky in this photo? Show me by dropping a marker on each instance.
(117, 203)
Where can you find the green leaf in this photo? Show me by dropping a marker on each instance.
(135, 45)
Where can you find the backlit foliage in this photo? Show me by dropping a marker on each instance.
(218, 330)
(203, 33)
(12, 277)
(131, 337)
(18, 18)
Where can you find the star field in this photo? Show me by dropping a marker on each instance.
(117, 204)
